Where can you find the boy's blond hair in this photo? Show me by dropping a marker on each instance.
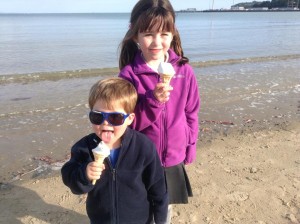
(112, 91)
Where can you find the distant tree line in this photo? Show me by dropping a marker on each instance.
(269, 4)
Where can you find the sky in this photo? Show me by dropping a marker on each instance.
(80, 6)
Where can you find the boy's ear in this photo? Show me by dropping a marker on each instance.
(130, 118)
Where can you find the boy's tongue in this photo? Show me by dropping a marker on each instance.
(106, 136)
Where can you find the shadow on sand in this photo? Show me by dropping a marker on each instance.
(22, 205)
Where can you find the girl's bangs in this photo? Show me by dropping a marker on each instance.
(157, 23)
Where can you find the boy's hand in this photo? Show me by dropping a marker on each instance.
(94, 170)
(162, 92)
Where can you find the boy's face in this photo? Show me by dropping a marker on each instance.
(109, 134)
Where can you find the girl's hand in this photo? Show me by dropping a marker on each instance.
(94, 170)
(162, 92)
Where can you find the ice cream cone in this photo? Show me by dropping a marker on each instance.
(99, 158)
(166, 72)
(166, 78)
(100, 153)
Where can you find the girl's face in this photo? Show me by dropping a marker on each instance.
(109, 134)
(154, 45)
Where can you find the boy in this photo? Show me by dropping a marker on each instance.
(130, 186)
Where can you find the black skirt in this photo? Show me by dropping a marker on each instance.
(178, 184)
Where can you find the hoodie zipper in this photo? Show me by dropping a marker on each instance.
(114, 191)
(114, 172)
(164, 137)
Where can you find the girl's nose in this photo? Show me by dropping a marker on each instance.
(157, 39)
(156, 43)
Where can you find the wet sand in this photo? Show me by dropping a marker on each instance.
(247, 169)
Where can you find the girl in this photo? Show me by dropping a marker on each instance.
(168, 115)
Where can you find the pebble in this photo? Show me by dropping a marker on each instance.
(292, 218)
(253, 170)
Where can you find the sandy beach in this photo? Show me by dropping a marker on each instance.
(248, 159)
(252, 178)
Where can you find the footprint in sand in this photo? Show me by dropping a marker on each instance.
(237, 196)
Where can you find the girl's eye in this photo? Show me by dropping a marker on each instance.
(165, 34)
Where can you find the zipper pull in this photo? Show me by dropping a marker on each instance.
(114, 174)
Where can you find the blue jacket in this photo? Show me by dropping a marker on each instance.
(172, 126)
(132, 192)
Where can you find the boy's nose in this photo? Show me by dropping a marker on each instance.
(105, 122)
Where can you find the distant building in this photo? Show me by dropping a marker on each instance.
(191, 9)
(259, 9)
(237, 8)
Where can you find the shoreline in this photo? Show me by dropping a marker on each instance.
(26, 78)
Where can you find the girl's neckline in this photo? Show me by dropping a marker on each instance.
(155, 68)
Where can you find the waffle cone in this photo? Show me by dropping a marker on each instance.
(166, 78)
(99, 158)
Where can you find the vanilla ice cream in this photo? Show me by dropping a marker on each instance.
(166, 72)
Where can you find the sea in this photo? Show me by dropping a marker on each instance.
(37, 43)
(246, 63)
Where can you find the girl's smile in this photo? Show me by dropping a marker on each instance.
(155, 51)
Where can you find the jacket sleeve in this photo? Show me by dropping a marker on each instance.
(156, 187)
(148, 107)
(74, 171)
(191, 110)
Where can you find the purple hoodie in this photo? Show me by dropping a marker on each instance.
(173, 126)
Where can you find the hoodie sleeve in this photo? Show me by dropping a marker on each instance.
(74, 171)
(191, 111)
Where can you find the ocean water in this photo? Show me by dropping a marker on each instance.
(31, 43)
(247, 66)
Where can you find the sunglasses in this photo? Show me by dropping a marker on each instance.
(113, 118)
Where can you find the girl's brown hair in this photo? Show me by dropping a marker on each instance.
(148, 15)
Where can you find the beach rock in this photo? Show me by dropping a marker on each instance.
(253, 170)
(292, 218)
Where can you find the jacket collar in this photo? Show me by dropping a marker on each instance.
(139, 65)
